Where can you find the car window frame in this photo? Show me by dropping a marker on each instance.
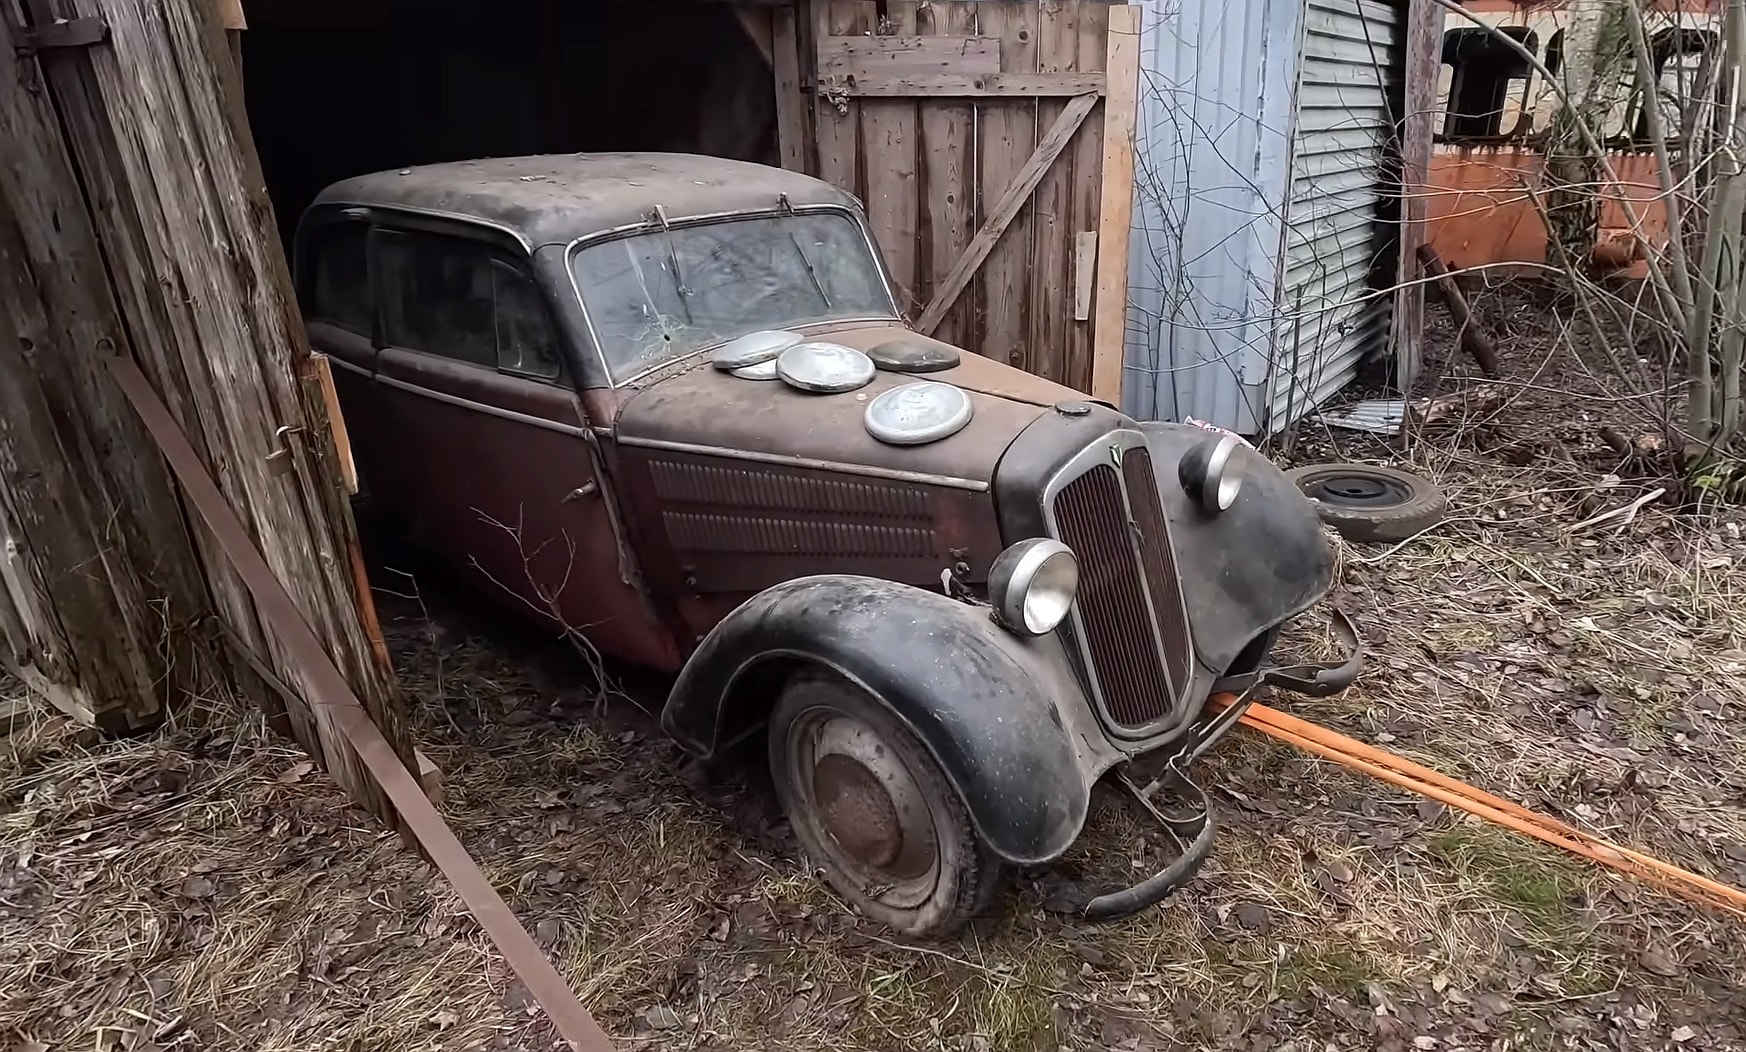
(497, 250)
(306, 265)
(576, 245)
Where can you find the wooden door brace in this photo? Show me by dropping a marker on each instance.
(1001, 216)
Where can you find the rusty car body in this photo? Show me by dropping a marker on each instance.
(523, 350)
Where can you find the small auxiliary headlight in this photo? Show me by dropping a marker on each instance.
(1032, 585)
(1209, 475)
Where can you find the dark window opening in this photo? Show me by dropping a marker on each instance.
(1484, 71)
(1684, 82)
(457, 299)
(339, 285)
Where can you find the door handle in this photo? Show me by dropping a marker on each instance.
(587, 489)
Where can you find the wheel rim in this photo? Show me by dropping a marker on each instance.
(875, 821)
(1351, 490)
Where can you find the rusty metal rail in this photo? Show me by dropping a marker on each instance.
(327, 687)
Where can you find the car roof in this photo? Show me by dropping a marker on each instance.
(558, 197)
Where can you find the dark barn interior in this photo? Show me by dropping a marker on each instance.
(340, 87)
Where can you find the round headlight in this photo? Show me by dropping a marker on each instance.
(1032, 584)
(1209, 473)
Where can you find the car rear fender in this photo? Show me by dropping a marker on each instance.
(1001, 715)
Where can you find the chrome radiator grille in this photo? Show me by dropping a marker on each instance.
(1129, 616)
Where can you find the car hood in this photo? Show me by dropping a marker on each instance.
(700, 406)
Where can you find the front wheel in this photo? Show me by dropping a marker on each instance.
(869, 804)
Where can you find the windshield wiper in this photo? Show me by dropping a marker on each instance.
(806, 262)
(673, 261)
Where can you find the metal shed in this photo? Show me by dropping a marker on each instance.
(1269, 228)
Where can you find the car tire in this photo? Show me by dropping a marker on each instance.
(1367, 503)
(891, 834)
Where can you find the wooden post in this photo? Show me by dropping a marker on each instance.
(1116, 209)
(101, 592)
(160, 147)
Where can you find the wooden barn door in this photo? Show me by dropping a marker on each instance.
(992, 143)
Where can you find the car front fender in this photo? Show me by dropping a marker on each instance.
(985, 703)
(1249, 568)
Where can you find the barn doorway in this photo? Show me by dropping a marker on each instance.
(337, 88)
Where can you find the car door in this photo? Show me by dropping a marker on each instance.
(499, 471)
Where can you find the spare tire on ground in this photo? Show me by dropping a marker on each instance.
(1368, 503)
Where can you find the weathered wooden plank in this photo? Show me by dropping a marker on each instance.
(793, 117)
(1052, 203)
(1000, 218)
(1007, 135)
(948, 165)
(890, 139)
(1085, 156)
(907, 53)
(836, 121)
(1116, 203)
(955, 85)
(103, 590)
(139, 299)
(1416, 127)
(1084, 273)
(162, 143)
(322, 371)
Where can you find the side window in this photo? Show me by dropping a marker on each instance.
(459, 299)
(437, 296)
(1483, 90)
(526, 343)
(339, 289)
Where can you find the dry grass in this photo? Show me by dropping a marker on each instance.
(200, 888)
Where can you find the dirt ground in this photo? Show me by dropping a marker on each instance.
(203, 888)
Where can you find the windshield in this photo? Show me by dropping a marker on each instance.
(661, 294)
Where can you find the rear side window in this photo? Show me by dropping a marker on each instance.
(459, 299)
(437, 296)
(339, 292)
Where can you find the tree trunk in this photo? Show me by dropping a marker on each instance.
(1596, 55)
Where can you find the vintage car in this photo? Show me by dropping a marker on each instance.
(670, 404)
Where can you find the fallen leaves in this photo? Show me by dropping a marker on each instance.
(1658, 963)
(295, 773)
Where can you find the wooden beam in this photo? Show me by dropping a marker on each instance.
(162, 150)
(756, 22)
(1116, 204)
(1001, 215)
(954, 85)
(907, 56)
(793, 106)
(100, 584)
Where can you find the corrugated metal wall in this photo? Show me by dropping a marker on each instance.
(1213, 145)
(1230, 182)
(1336, 249)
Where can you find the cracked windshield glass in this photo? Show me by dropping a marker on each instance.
(654, 296)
